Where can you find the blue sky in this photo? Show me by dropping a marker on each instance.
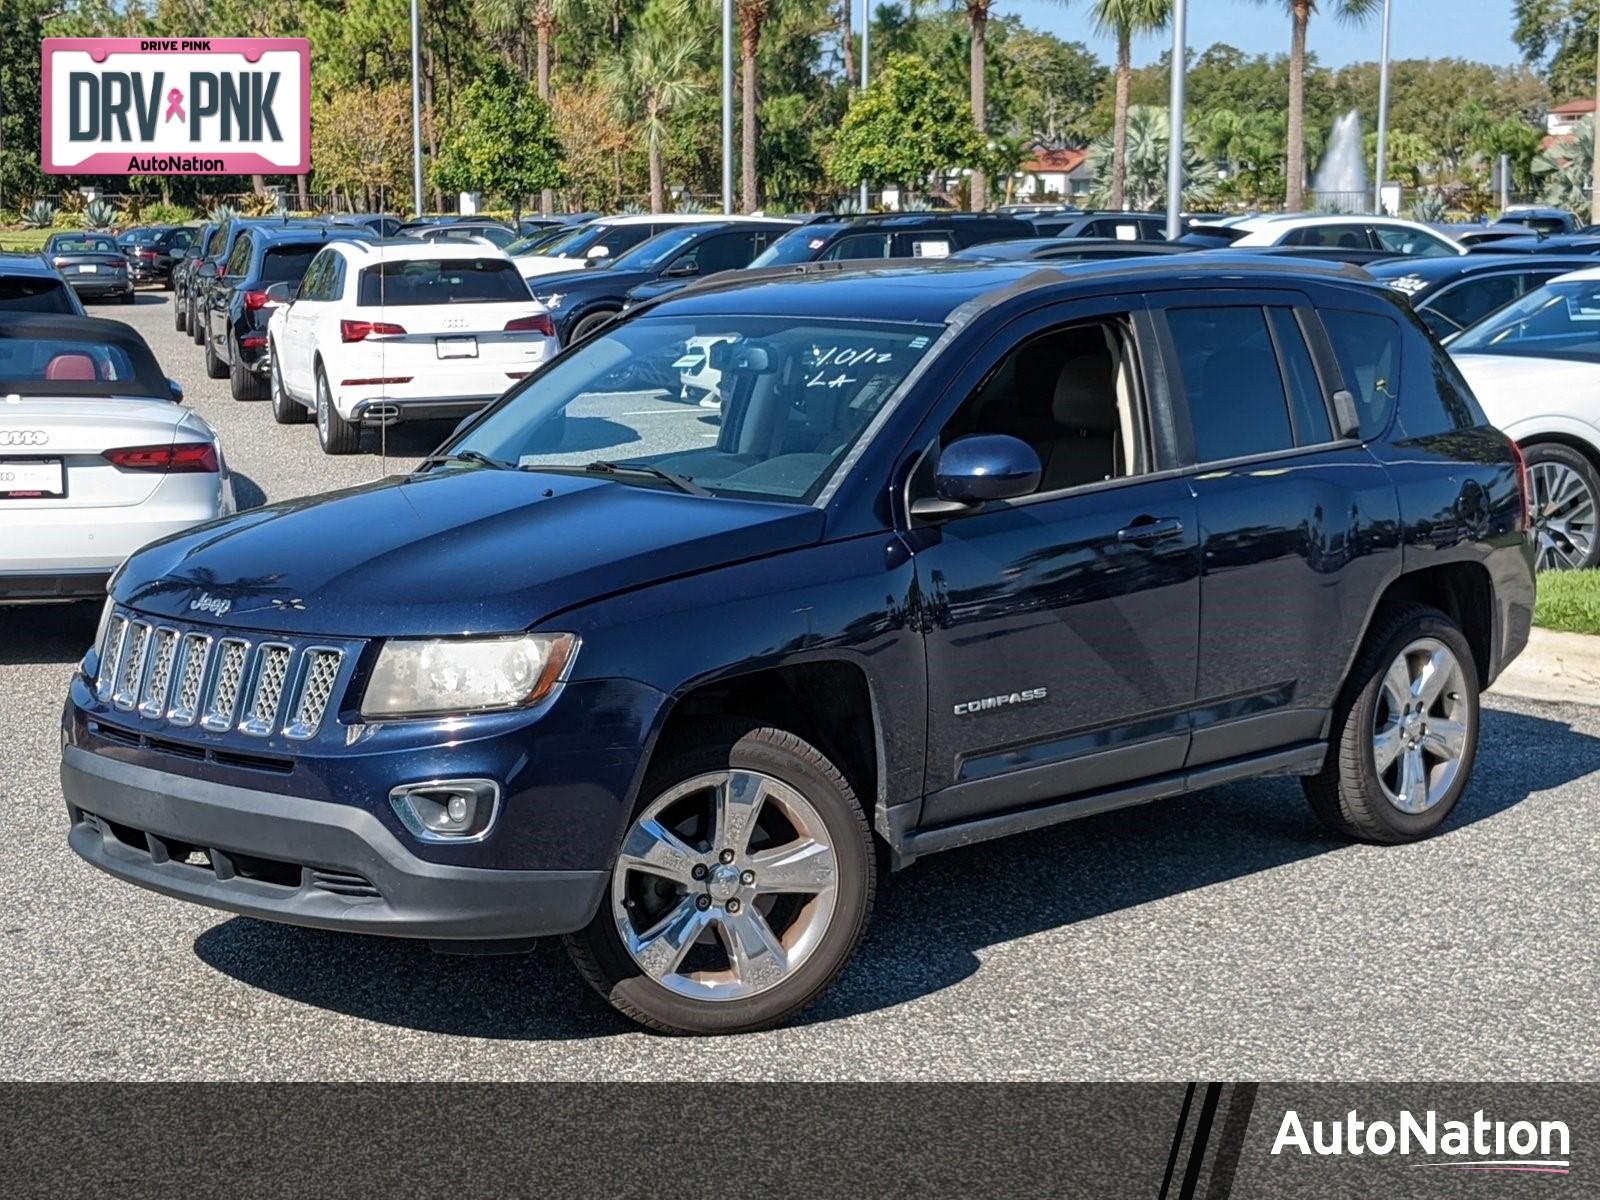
(1479, 30)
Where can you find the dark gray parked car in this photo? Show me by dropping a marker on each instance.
(92, 263)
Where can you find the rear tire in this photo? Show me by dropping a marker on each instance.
(1405, 732)
(337, 435)
(1564, 502)
(180, 314)
(286, 410)
(215, 367)
(244, 384)
(196, 333)
(712, 949)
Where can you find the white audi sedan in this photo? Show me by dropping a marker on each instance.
(1534, 366)
(401, 330)
(98, 456)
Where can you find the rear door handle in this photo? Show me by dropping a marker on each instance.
(1147, 530)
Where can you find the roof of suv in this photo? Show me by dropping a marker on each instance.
(397, 248)
(910, 290)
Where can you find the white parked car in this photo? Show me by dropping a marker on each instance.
(598, 241)
(382, 332)
(1397, 236)
(98, 456)
(1534, 366)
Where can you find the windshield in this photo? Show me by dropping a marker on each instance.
(762, 407)
(654, 251)
(802, 245)
(1559, 320)
(576, 242)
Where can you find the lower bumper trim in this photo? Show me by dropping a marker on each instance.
(300, 862)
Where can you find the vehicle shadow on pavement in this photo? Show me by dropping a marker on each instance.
(47, 633)
(931, 922)
(408, 440)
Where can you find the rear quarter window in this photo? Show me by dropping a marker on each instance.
(29, 294)
(1368, 347)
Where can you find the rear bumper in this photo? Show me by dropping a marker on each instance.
(300, 862)
(49, 587)
(392, 411)
(113, 285)
(64, 541)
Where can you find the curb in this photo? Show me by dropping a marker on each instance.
(1556, 668)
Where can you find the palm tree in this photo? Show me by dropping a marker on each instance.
(753, 15)
(978, 23)
(657, 73)
(511, 18)
(1123, 19)
(1145, 164)
(1354, 11)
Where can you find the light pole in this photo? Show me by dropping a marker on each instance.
(866, 31)
(1383, 114)
(416, 108)
(727, 106)
(1180, 65)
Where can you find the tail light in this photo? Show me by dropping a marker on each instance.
(255, 300)
(119, 264)
(178, 458)
(359, 331)
(539, 324)
(1526, 521)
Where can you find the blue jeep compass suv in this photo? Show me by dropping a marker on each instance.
(957, 552)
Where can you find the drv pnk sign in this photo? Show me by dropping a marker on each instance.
(177, 106)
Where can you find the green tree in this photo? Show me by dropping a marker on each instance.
(1145, 177)
(1560, 35)
(1300, 12)
(1566, 169)
(907, 125)
(505, 144)
(655, 74)
(23, 21)
(1122, 19)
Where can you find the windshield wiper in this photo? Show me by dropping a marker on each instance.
(682, 482)
(471, 456)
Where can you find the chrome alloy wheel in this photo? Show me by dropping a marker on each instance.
(725, 885)
(1420, 729)
(1564, 511)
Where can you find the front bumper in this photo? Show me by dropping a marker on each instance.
(52, 586)
(301, 862)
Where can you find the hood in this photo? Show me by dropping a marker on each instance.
(576, 286)
(1513, 388)
(468, 550)
(534, 265)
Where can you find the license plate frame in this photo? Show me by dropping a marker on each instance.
(87, 268)
(456, 347)
(46, 480)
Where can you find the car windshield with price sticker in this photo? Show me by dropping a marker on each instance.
(740, 406)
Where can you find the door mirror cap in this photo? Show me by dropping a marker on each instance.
(985, 466)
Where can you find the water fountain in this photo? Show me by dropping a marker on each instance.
(1340, 184)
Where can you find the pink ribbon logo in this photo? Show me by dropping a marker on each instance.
(175, 105)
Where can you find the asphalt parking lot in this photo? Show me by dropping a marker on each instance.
(1221, 936)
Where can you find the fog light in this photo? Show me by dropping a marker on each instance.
(447, 810)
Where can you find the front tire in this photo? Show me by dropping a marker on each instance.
(196, 333)
(1564, 502)
(215, 367)
(180, 314)
(589, 323)
(337, 435)
(1405, 732)
(741, 890)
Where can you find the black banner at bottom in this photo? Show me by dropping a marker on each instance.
(1195, 1141)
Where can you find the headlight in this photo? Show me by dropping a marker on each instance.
(456, 675)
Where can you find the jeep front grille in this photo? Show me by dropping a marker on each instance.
(184, 677)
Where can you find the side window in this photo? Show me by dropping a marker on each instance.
(857, 245)
(1368, 349)
(311, 288)
(624, 237)
(1342, 237)
(724, 252)
(240, 258)
(924, 243)
(1230, 376)
(1071, 394)
(1308, 409)
(334, 286)
(1473, 299)
(1412, 242)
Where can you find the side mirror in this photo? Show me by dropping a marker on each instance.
(176, 390)
(974, 470)
(679, 270)
(596, 252)
(282, 293)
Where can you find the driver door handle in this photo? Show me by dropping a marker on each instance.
(1149, 530)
